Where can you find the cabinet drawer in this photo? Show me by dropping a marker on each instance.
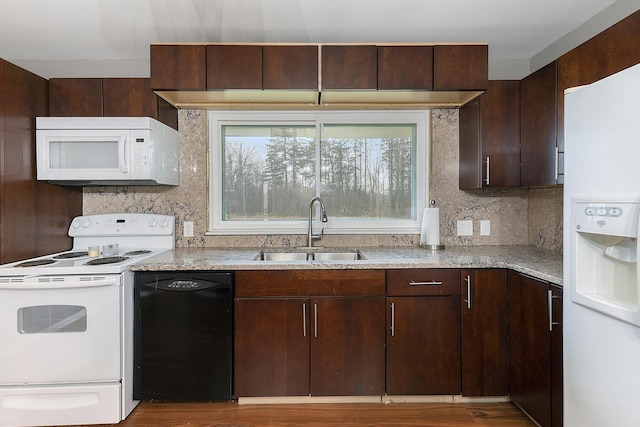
(423, 282)
(293, 283)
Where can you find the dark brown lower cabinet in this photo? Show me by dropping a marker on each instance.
(485, 350)
(347, 346)
(423, 345)
(326, 346)
(535, 352)
(271, 355)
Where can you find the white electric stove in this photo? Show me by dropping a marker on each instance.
(66, 323)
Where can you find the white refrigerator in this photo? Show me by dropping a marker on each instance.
(601, 202)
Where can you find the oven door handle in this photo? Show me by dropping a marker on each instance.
(57, 282)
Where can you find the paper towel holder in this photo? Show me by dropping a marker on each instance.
(432, 247)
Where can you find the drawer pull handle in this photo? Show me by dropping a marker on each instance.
(429, 283)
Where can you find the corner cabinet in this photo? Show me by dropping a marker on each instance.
(490, 138)
(423, 332)
(485, 349)
(535, 348)
(302, 332)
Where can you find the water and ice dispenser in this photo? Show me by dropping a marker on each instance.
(604, 260)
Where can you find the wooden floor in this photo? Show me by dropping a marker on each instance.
(327, 415)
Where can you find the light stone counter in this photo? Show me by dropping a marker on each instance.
(539, 263)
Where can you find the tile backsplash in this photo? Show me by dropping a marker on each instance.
(516, 217)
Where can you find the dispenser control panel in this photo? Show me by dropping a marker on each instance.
(616, 218)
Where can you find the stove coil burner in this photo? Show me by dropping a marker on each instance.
(35, 263)
(140, 252)
(70, 255)
(106, 260)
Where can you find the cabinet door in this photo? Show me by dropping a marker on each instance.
(290, 67)
(556, 356)
(349, 67)
(485, 366)
(490, 138)
(178, 67)
(529, 346)
(347, 347)
(125, 97)
(405, 67)
(460, 67)
(234, 67)
(538, 128)
(75, 97)
(423, 345)
(271, 347)
(33, 214)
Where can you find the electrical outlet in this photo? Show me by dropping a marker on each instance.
(485, 227)
(188, 229)
(465, 227)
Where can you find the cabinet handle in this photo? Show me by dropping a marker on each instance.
(557, 161)
(550, 299)
(486, 181)
(468, 300)
(393, 319)
(429, 283)
(315, 320)
(304, 319)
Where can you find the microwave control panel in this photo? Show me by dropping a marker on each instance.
(140, 149)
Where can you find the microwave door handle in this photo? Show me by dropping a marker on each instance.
(123, 161)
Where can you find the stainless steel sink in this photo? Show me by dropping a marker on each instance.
(282, 256)
(309, 255)
(338, 256)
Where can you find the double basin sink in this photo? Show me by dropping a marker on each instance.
(309, 254)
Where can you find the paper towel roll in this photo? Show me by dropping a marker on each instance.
(430, 231)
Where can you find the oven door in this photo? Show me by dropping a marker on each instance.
(60, 329)
(83, 154)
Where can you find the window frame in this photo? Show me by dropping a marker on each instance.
(216, 119)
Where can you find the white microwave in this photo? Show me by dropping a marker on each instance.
(106, 151)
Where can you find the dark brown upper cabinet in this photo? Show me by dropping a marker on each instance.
(460, 67)
(490, 138)
(538, 149)
(124, 97)
(108, 97)
(613, 50)
(75, 97)
(178, 67)
(405, 67)
(350, 67)
(234, 67)
(290, 67)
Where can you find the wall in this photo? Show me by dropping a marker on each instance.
(508, 210)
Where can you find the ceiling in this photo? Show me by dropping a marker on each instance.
(111, 38)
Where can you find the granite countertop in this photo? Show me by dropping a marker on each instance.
(539, 263)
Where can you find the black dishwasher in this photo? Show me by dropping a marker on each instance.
(183, 335)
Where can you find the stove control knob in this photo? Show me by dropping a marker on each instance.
(76, 223)
(86, 223)
(153, 222)
(164, 223)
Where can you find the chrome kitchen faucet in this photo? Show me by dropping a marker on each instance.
(310, 236)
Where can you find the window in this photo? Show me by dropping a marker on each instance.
(370, 168)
